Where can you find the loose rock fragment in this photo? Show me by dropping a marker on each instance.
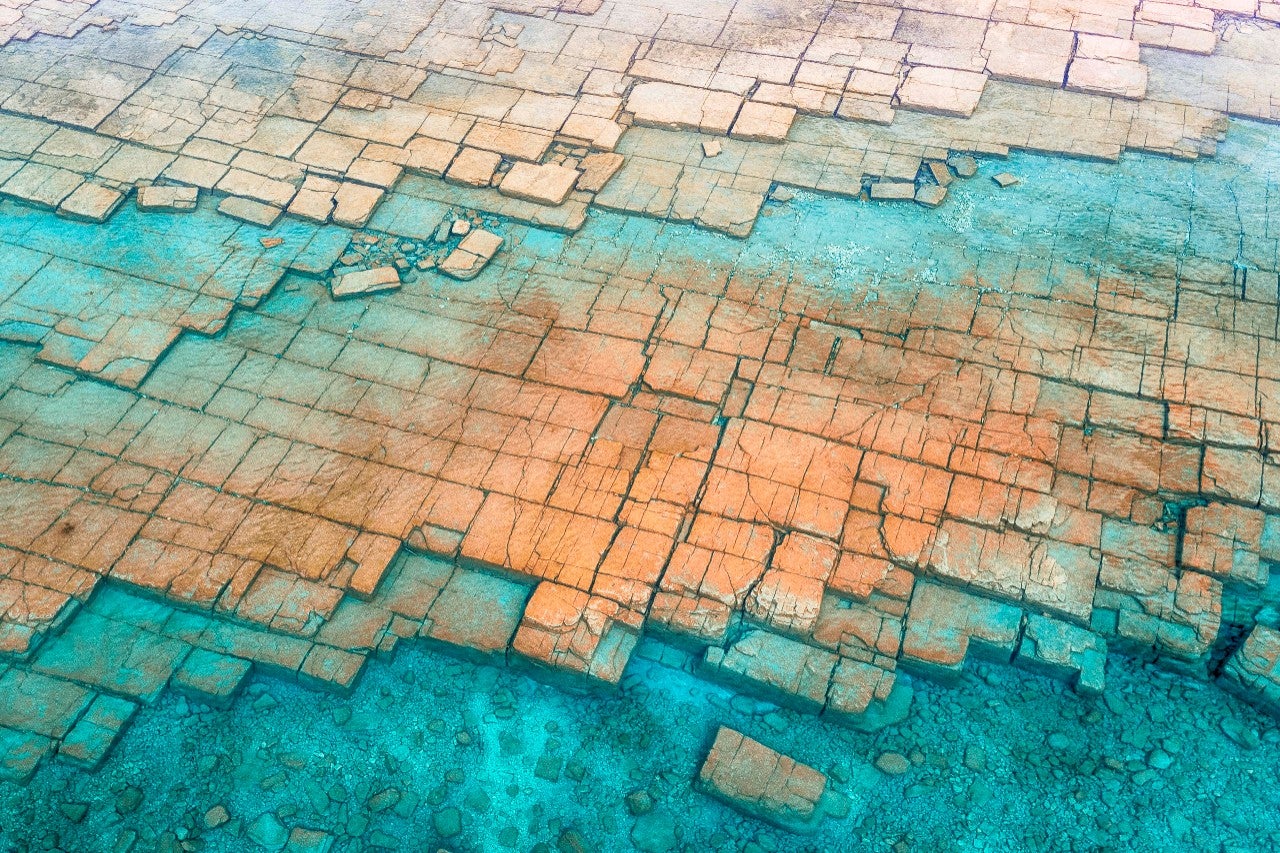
(472, 254)
(763, 783)
(364, 282)
(1005, 179)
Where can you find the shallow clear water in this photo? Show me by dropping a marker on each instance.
(484, 758)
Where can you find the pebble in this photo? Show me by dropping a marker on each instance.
(267, 831)
(216, 817)
(1158, 759)
(893, 763)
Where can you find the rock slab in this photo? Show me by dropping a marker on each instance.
(762, 782)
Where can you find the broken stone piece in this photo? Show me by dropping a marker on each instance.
(711, 147)
(597, 169)
(757, 122)
(762, 782)
(459, 228)
(475, 250)
(931, 195)
(364, 282)
(1005, 179)
(964, 164)
(271, 242)
(541, 184)
(167, 198)
(940, 172)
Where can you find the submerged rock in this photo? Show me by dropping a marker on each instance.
(762, 782)
(364, 282)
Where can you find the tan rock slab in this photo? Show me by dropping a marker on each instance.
(943, 91)
(249, 210)
(597, 169)
(762, 782)
(759, 122)
(364, 282)
(679, 107)
(167, 198)
(1107, 66)
(473, 167)
(91, 202)
(542, 184)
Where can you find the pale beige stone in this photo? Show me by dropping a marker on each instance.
(759, 122)
(544, 184)
(473, 167)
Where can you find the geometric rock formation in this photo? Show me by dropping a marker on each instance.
(211, 678)
(763, 783)
(789, 594)
(545, 184)
(473, 167)
(676, 107)
(943, 624)
(784, 670)
(89, 741)
(249, 210)
(472, 254)
(91, 202)
(364, 282)
(572, 631)
(597, 169)
(1147, 604)
(931, 195)
(476, 613)
(893, 191)
(866, 697)
(1223, 540)
(167, 198)
(943, 91)
(1107, 66)
(1253, 671)
(1062, 650)
(757, 122)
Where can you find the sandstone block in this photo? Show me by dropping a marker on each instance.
(364, 282)
(763, 783)
(542, 184)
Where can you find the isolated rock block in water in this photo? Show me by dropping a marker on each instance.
(866, 697)
(568, 629)
(1253, 671)
(91, 202)
(762, 782)
(210, 677)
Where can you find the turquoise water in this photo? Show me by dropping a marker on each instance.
(430, 751)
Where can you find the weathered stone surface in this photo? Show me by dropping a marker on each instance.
(1253, 670)
(757, 122)
(1064, 651)
(783, 669)
(944, 624)
(1224, 540)
(473, 167)
(683, 107)
(571, 630)
(364, 282)
(91, 202)
(477, 612)
(542, 184)
(156, 197)
(762, 783)
(931, 195)
(472, 254)
(211, 678)
(597, 169)
(248, 210)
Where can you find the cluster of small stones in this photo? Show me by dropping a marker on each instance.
(810, 494)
